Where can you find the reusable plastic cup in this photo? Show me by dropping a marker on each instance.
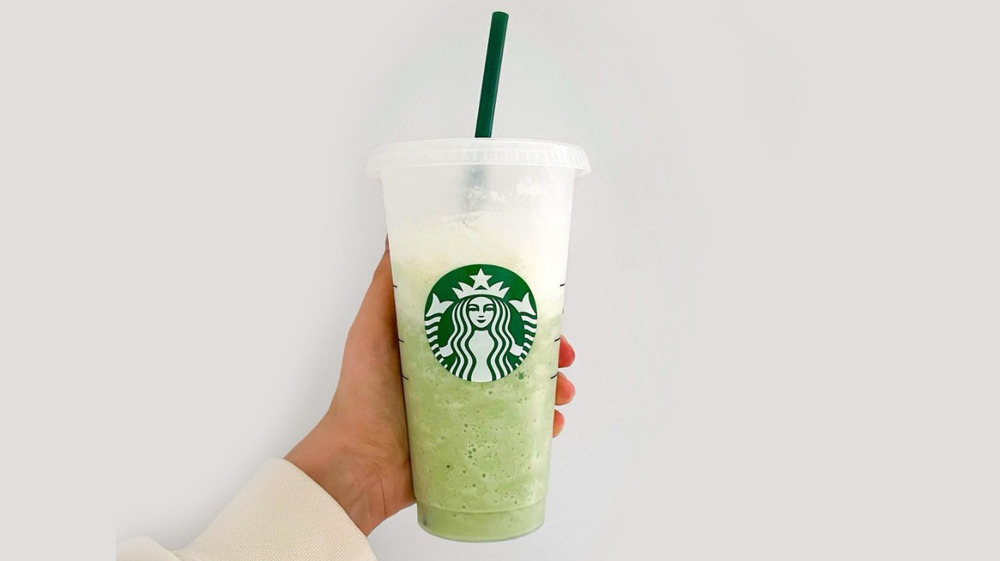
(478, 236)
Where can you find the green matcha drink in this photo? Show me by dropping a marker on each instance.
(479, 235)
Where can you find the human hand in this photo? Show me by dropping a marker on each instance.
(358, 451)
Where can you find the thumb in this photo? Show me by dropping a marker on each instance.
(377, 316)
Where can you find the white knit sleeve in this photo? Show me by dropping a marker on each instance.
(280, 514)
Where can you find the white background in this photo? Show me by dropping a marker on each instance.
(783, 276)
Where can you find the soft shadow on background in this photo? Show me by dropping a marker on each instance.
(782, 280)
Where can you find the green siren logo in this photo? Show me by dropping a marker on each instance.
(480, 322)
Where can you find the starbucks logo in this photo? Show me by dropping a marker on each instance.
(480, 322)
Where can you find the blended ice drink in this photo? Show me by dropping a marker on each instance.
(478, 236)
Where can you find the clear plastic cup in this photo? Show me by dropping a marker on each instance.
(478, 236)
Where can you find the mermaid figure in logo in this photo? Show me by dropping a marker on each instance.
(481, 341)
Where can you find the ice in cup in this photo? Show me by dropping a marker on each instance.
(479, 236)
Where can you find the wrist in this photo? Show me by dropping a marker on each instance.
(327, 456)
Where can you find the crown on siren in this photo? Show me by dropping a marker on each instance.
(480, 287)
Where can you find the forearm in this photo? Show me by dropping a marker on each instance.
(281, 513)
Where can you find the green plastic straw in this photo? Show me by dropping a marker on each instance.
(491, 75)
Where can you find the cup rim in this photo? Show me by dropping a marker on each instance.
(477, 151)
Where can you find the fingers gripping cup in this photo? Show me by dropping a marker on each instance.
(479, 235)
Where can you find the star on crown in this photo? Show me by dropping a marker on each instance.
(480, 287)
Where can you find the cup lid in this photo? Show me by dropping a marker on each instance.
(477, 151)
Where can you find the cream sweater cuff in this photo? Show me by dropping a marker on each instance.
(280, 514)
